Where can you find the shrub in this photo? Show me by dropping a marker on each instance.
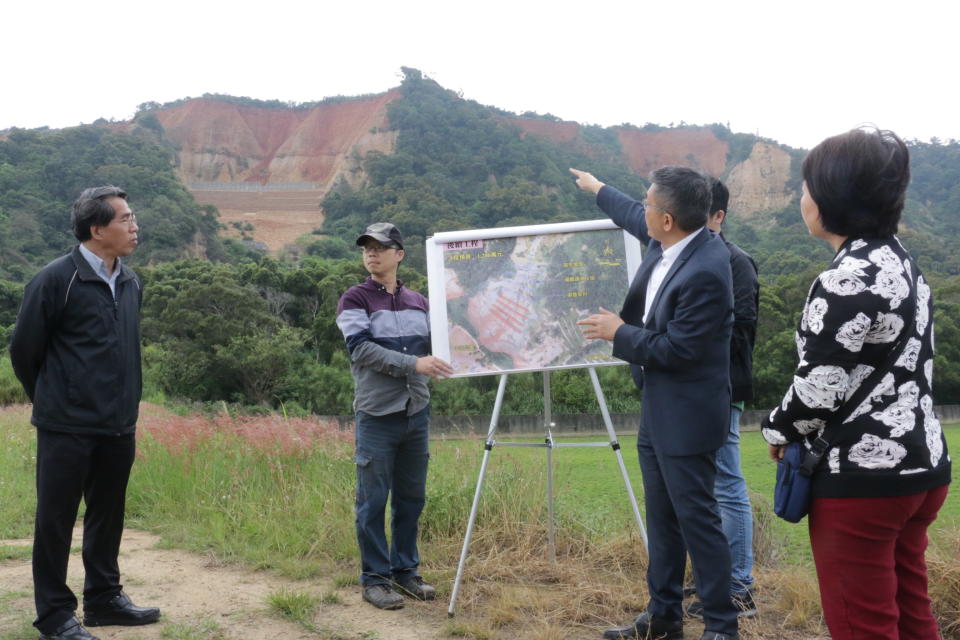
(11, 391)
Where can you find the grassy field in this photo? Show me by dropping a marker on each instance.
(590, 492)
(277, 494)
(590, 499)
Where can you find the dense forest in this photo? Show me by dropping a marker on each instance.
(42, 172)
(241, 327)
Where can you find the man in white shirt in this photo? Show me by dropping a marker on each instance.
(674, 330)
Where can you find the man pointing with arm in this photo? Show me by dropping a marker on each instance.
(674, 330)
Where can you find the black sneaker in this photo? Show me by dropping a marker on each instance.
(743, 601)
(382, 596)
(415, 587)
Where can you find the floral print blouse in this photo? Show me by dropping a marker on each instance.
(855, 315)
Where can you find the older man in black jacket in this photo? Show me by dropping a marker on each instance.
(76, 350)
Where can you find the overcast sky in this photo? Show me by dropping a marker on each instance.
(792, 71)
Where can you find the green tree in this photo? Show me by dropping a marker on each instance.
(257, 365)
(42, 172)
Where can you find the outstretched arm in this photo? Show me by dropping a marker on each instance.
(587, 181)
(626, 213)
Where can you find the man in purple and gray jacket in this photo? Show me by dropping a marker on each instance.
(387, 331)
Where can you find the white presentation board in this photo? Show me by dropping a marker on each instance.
(506, 300)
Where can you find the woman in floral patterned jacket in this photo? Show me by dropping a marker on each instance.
(885, 477)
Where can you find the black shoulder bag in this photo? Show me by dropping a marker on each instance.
(792, 492)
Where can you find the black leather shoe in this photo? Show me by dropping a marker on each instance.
(120, 611)
(647, 626)
(69, 630)
(716, 635)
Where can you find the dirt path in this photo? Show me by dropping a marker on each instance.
(201, 600)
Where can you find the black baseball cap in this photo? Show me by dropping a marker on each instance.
(383, 232)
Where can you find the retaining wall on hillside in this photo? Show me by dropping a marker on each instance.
(582, 423)
(255, 186)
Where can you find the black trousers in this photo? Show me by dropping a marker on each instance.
(70, 467)
(682, 516)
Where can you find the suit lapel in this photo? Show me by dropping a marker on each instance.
(650, 260)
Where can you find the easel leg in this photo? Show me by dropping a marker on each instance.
(494, 419)
(615, 445)
(548, 441)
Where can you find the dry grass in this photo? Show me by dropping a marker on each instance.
(467, 629)
(510, 585)
(943, 566)
(768, 544)
(511, 590)
(794, 595)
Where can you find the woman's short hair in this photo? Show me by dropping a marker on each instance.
(92, 209)
(859, 181)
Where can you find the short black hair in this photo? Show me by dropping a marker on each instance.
(91, 209)
(719, 195)
(686, 194)
(859, 181)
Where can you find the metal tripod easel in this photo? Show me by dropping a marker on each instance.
(549, 444)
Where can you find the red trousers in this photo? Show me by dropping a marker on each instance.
(870, 562)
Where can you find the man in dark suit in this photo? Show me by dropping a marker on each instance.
(674, 330)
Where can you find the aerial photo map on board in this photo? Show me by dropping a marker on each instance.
(513, 303)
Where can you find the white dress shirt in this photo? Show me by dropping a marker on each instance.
(659, 272)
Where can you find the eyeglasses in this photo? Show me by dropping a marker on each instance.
(128, 220)
(647, 205)
(374, 248)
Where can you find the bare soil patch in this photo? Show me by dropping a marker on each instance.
(278, 217)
